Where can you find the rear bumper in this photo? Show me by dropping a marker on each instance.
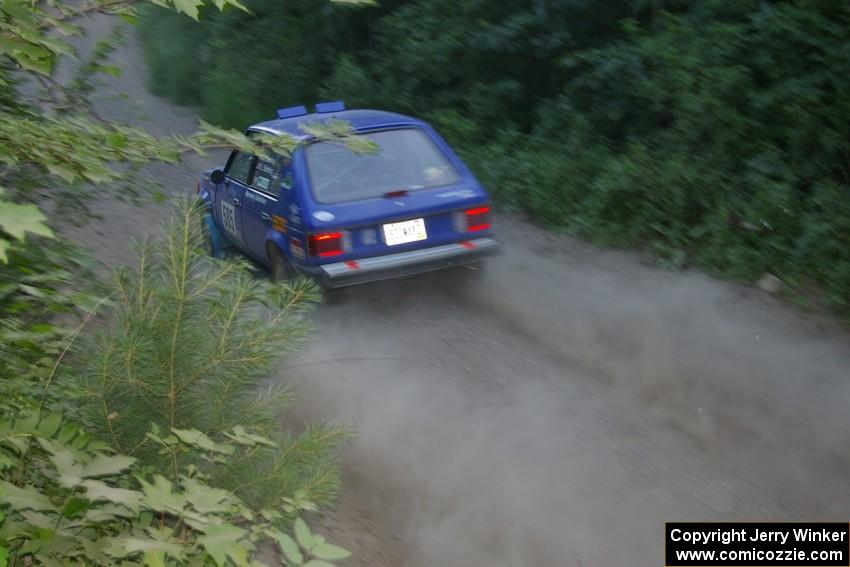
(353, 272)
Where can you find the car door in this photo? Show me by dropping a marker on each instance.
(229, 199)
(259, 204)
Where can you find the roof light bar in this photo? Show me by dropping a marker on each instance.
(291, 111)
(335, 106)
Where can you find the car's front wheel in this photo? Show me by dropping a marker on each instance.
(209, 245)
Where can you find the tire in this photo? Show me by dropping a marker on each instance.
(282, 271)
(222, 250)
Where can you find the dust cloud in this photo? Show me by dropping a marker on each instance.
(558, 407)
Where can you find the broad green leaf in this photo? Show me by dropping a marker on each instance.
(188, 7)
(329, 552)
(160, 497)
(70, 471)
(28, 423)
(103, 465)
(302, 533)
(200, 439)
(206, 499)
(43, 66)
(317, 563)
(135, 544)
(242, 437)
(39, 520)
(47, 544)
(26, 498)
(107, 513)
(153, 558)
(74, 506)
(96, 550)
(225, 541)
(49, 424)
(287, 546)
(67, 432)
(16, 220)
(63, 27)
(81, 440)
(99, 490)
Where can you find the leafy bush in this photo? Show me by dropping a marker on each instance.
(710, 142)
(184, 496)
(71, 499)
(713, 134)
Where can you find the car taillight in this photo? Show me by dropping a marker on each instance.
(325, 244)
(478, 219)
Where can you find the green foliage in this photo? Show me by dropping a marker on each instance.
(235, 79)
(42, 282)
(65, 496)
(17, 220)
(714, 134)
(82, 148)
(24, 36)
(191, 341)
(69, 498)
(714, 145)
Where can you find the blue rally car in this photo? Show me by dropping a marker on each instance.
(349, 217)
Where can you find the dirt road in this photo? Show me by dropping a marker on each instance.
(556, 409)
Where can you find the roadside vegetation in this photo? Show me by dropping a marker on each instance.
(153, 441)
(138, 424)
(714, 134)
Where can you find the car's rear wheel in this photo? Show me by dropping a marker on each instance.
(282, 270)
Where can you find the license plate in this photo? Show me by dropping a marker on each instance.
(404, 232)
(228, 218)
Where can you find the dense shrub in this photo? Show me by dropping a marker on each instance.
(715, 133)
(199, 482)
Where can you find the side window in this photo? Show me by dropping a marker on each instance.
(286, 179)
(239, 167)
(266, 176)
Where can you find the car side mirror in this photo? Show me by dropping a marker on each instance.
(217, 176)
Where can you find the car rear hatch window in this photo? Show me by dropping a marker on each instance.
(406, 160)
